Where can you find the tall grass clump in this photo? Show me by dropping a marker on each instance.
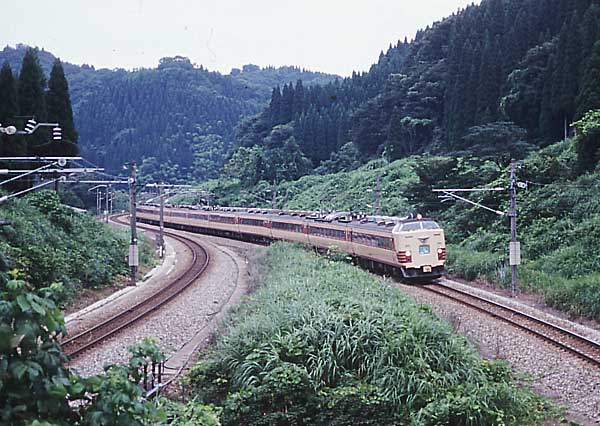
(325, 343)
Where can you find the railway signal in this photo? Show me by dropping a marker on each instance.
(56, 133)
(30, 126)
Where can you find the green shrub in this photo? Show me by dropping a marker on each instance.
(471, 264)
(48, 242)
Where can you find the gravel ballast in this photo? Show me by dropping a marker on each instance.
(180, 321)
(568, 380)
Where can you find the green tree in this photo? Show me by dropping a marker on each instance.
(287, 162)
(346, 159)
(589, 97)
(247, 164)
(500, 141)
(588, 140)
(32, 101)
(58, 104)
(9, 109)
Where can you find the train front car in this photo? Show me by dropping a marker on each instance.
(420, 249)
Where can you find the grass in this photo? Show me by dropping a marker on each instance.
(325, 343)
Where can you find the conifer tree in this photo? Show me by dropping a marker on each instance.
(287, 103)
(8, 95)
(589, 97)
(58, 103)
(9, 109)
(298, 98)
(31, 97)
(275, 107)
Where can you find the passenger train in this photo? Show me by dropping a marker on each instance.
(414, 247)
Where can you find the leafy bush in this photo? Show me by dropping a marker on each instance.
(324, 343)
(471, 264)
(48, 242)
(35, 385)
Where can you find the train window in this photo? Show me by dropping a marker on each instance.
(222, 219)
(198, 216)
(412, 226)
(179, 214)
(292, 227)
(252, 222)
(373, 241)
(430, 225)
(337, 234)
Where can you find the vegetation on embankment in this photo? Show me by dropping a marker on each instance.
(325, 343)
(46, 242)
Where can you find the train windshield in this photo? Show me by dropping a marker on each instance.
(429, 224)
(417, 226)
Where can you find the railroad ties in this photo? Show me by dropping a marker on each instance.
(567, 340)
(83, 341)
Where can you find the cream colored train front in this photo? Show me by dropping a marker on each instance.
(414, 247)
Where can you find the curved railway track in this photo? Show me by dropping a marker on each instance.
(566, 340)
(77, 344)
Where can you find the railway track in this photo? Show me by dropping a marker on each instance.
(566, 340)
(77, 344)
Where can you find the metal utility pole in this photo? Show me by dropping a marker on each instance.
(274, 195)
(107, 201)
(514, 246)
(161, 236)
(110, 210)
(98, 200)
(378, 196)
(133, 247)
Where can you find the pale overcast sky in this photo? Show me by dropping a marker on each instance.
(334, 36)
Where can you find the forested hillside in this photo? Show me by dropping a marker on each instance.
(504, 76)
(177, 120)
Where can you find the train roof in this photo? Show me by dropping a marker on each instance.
(357, 220)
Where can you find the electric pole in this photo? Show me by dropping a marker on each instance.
(133, 248)
(378, 196)
(100, 199)
(514, 246)
(514, 257)
(107, 201)
(161, 237)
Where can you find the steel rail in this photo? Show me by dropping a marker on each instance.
(591, 353)
(77, 344)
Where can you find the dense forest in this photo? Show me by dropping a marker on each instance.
(176, 120)
(30, 95)
(505, 76)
